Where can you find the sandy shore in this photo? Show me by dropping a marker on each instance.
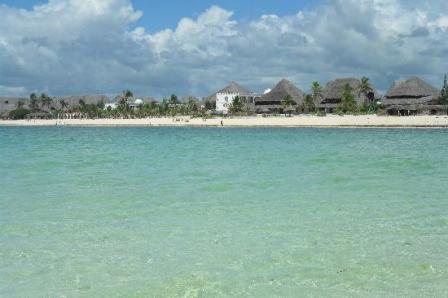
(280, 121)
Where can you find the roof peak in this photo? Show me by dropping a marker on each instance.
(234, 87)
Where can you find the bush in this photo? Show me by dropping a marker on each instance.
(18, 114)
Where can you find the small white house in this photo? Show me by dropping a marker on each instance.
(136, 104)
(110, 106)
(225, 97)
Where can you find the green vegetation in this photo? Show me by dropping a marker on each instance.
(19, 113)
(34, 102)
(365, 88)
(308, 103)
(236, 106)
(348, 103)
(317, 91)
(287, 103)
(443, 99)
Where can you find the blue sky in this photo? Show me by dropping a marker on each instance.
(71, 47)
(158, 15)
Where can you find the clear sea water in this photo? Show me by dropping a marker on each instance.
(184, 212)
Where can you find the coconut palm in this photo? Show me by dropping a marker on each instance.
(365, 87)
(316, 90)
(348, 102)
(63, 104)
(34, 102)
(20, 105)
(444, 93)
(287, 103)
(46, 100)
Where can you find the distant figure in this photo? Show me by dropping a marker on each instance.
(222, 123)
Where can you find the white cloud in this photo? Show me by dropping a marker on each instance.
(90, 46)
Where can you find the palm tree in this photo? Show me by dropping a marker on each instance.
(192, 105)
(34, 102)
(63, 104)
(123, 102)
(46, 100)
(317, 90)
(365, 87)
(348, 102)
(20, 104)
(309, 102)
(128, 94)
(444, 93)
(287, 102)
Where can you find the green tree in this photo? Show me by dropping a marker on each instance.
(309, 103)
(364, 87)
(287, 103)
(192, 105)
(348, 102)
(173, 100)
(236, 106)
(210, 105)
(444, 93)
(317, 91)
(46, 100)
(34, 102)
(123, 102)
(63, 103)
(20, 104)
(128, 94)
(19, 113)
(82, 106)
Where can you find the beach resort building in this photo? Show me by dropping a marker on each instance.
(333, 91)
(225, 97)
(271, 102)
(412, 97)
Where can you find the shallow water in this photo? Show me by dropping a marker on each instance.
(183, 212)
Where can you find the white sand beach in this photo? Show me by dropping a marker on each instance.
(256, 121)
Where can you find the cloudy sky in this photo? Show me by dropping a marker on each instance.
(71, 47)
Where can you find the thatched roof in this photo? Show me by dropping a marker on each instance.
(282, 89)
(232, 88)
(411, 88)
(88, 99)
(334, 89)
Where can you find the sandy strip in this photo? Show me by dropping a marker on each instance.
(279, 121)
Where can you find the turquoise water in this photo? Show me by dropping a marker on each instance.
(183, 212)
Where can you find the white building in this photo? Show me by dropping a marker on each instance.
(110, 106)
(225, 97)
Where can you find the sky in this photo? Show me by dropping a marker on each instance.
(155, 48)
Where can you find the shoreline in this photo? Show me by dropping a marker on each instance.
(301, 121)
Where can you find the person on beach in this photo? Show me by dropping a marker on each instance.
(222, 123)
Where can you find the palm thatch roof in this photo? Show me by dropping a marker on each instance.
(278, 93)
(88, 99)
(232, 88)
(334, 89)
(411, 91)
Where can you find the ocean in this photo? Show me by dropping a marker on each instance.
(217, 212)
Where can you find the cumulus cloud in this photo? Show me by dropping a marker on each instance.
(80, 46)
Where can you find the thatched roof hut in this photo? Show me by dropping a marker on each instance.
(274, 98)
(410, 92)
(232, 88)
(334, 89)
